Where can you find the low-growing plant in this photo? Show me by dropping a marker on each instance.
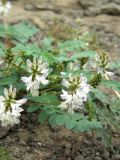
(4, 154)
(64, 82)
(60, 30)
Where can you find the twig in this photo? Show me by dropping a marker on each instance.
(6, 28)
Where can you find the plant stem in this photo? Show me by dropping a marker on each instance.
(53, 86)
(6, 28)
(116, 92)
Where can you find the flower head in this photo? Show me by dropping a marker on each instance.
(4, 7)
(38, 71)
(102, 63)
(78, 64)
(10, 110)
(7, 59)
(76, 94)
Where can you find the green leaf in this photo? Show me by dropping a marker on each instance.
(30, 49)
(1, 90)
(24, 31)
(8, 80)
(47, 43)
(86, 125)
(52, 119)
(65, 119)
(70, 123)
(45, 99)
(77, 116)
(76, 55)
(72, 45)
(21, 32)
(4, 154)
(20, 86)
(115, 106)
(88, 53)
(48, 56)
(9, 32)
(2, 50)
(33, 108)
(60, 119)
(100, 95)
(115, 64)
(114, 85)
(49, 109)
(105, 135)
(43, 116)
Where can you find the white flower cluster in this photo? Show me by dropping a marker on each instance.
(76, 94)
(10, 110)
(38, 71)
(4, 7)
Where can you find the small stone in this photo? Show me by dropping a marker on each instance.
(84, 154)
(16, 151)
(117, 147)
(90, 158)
(22, 142)
(111, 8)
(97, 153)
(88, 152)
(87, 142)
(28, 156)
(11, 140)
(106, 155)
(86, 4)
(67, 151)
(40, 144)
(67, 148)
(3, 131)
(79, 158)
(116, 157)
(98, 158)
(28, 148)
(29, 7)
(68, 145)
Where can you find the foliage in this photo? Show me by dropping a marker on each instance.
(60, 30)
(21, 32)
(4, 155)
(100, 112)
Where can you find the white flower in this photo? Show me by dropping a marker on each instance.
(65, 83)
(76, 94)
(5, 7)
(38, 71)
(1, 62)
(10, 110)
(31, 85)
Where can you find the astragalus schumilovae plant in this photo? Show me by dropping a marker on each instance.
(64, 81)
